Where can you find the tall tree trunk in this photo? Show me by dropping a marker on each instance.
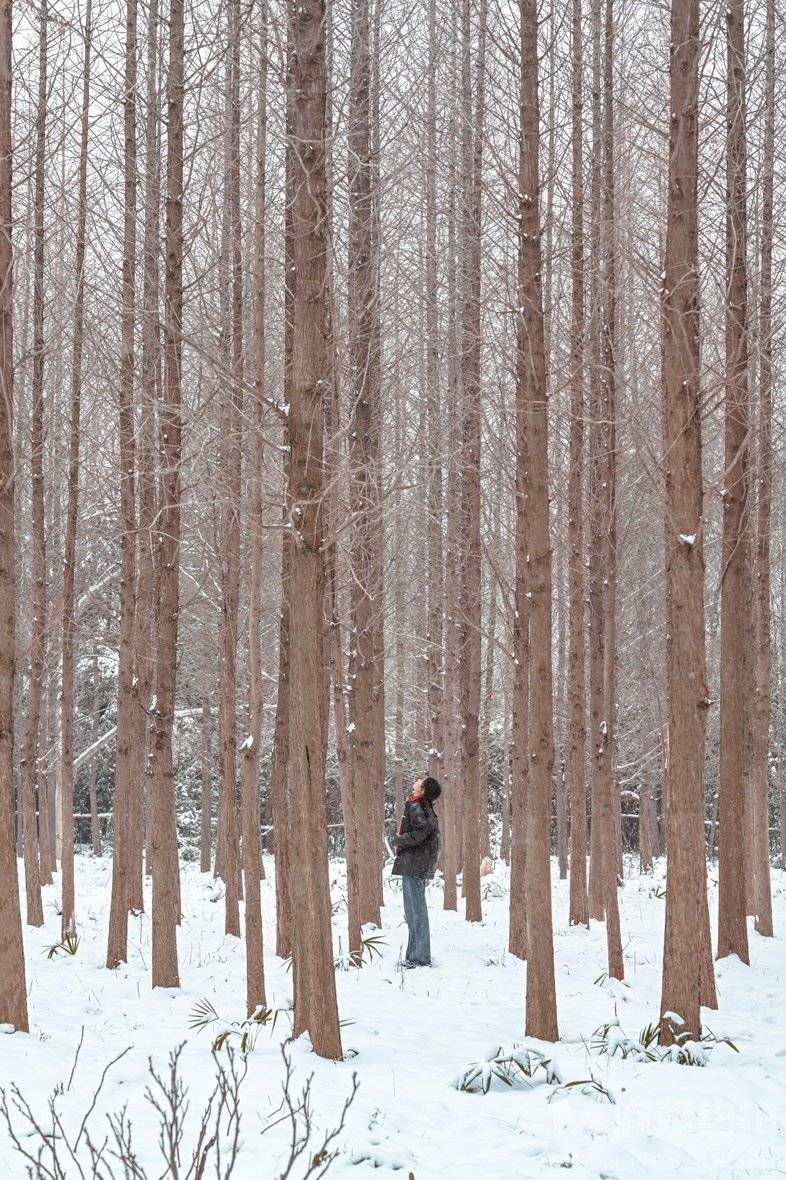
(117, 948)
(252, 859)
(279, 772)
(166, 907)
(532, 452)
(470, 575)
(761, 782)
(736, 590)
(29, 761)
(606, 739)
(436, 757)
(597, 638)
(688, 977)
(314, 979)
(451, 856)
(575, 769)
(149, 389)
(13, 993)
(232, 473)
(69, 563)
(365, 594)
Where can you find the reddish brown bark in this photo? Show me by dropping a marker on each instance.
(314, 978)
(163, 820)
(762, 892)
(13, 993)
(68, 908)
(575, 764)
(736, 590)
(687, 963)
(532, 453)
(29, 759)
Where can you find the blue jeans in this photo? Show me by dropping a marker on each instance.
(416, 913)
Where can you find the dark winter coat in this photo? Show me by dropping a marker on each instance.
(417, 846)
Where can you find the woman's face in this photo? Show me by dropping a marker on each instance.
(417, 787)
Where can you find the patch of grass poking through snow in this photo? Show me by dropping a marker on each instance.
(68, 945)
(610, 1039)
(370, 948)
(521, 1065)
(245, 1032)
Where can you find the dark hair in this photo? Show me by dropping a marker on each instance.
(431, 789)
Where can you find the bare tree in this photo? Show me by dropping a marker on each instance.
(315, 987)
(761, 780)
(13, 994)
(532, 418)
(736, 590)
(69, 562)
(30, 748)
(688, 978)
(164, 823)
(575, 768)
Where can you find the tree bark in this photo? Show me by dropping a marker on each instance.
(68, 907)
(314, 979)
(117, 948)
(736, 590)
(149, 390)
(471, 343)
(575, 768)
(13, 993)
(229, 547)
(252, 858)
(29, 760)
(761, 785)
(688, 977)
(166, 905)
(532, 453)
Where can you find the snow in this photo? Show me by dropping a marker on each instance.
(411, 1035)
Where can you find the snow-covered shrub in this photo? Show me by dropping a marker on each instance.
(245, 1032)
(520, 1065)
(611, 1039)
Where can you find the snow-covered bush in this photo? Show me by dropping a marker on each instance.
(611, 1039)
(521, 1065)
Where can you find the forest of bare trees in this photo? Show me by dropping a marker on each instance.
(392, 390)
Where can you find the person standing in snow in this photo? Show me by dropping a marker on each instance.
(417, 847)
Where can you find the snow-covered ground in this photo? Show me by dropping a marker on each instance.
(411, 1034)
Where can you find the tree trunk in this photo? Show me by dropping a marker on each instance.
(117, 948)
(229, 548)
(575, 767)
(166, 907)
(760, 774)
(149, 390)
(365, 594)
(607, 738)
(206, 819)
(95, 823)
(532, 453)
(69, 563)
(314, 979)
(29, 761)
(13, 994)
(736, 590)
(252, 858)
(688, 977)
(470, 569)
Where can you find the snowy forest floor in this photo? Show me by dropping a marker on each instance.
(413, 1033)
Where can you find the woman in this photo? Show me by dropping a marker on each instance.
(417, 845)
